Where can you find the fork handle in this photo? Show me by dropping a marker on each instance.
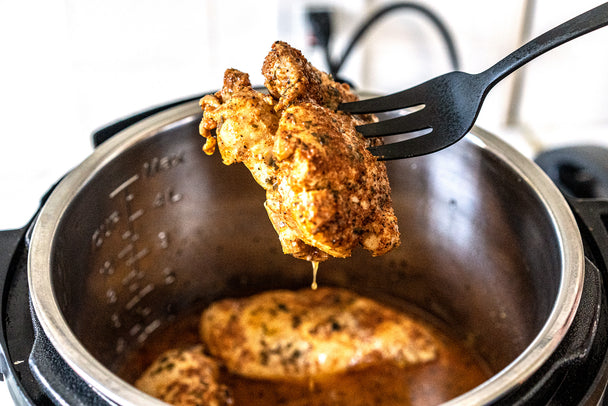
(574, 28)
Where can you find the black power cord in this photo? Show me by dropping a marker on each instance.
(320, 21)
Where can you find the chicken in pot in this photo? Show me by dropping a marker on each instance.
(307, 347)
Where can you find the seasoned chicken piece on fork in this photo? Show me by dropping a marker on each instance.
(185, 377)
(309, 334)
(325, 192)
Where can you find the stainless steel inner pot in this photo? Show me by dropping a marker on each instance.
(148, 227)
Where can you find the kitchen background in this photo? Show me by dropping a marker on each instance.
(68, 67)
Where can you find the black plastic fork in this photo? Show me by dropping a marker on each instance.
(451, 102)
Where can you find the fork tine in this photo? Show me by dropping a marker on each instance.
(411, 122)
(405, 98)
(422, 145)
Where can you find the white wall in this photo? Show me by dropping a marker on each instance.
(70, 66)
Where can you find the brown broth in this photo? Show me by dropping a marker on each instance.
(456, 370)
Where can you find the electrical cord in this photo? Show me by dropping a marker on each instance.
(321, 24)
(320, 21)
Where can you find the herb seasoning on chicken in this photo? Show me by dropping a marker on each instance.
(325, 192)
(331, 346)
(309, 334)
(185, 377)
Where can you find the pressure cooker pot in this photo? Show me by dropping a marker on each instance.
(149, 228)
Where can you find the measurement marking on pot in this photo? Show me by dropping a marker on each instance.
(169, 276)
(143, 312)
(107, 268)
(123, 253)
(149, 288)
(137, 298)
(135, 329)
(176, 197)
(142, 253)
(115, 320)
(168, 196)
(129, 277)
(152, 326)
(164, 163)
(112, 296)
(124, 185)
(164, 239)
(134, 300)
(121, 344)
(104, 230)
(126, 234)
(149, 329)
(136, 215)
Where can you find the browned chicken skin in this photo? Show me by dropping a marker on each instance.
(325, 192)
(185, 377)
(308, 334)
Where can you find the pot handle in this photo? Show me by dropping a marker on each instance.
(566, 374)
(109, 130)
(581, 173)
(56, 378)
(10, 241)
(592, 217)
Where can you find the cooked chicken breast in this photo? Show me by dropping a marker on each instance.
(309, 334)
(325, 193)
(185, 377)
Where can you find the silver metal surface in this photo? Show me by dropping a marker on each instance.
(148, 227)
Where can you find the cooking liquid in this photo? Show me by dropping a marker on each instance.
(456, 370)
(315, 269)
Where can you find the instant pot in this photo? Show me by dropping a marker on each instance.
(148, 227)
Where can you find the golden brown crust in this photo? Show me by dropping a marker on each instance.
(185, 377)
(243, 118)
(309, 334)
(290, 79)
(325, 192)
(326, 179)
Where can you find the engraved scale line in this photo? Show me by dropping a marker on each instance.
(124, 185)
(136, 215)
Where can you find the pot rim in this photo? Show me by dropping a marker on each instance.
(115, 389)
